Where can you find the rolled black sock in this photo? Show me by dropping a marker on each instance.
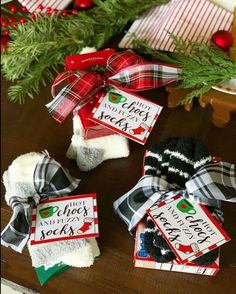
(176, 160)
(155, 245)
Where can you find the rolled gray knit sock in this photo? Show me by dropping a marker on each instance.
(88, 158)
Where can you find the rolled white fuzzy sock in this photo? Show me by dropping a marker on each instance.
(76, 254)
(77, 125)
(90, 153)
(83, 257)
(18, 179)
(53, 253)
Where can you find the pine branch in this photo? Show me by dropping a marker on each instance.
(202, 66)
(39, 45)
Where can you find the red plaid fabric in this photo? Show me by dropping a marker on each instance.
(122, 60)
(146, 76)
(125, 70)
(71, 95)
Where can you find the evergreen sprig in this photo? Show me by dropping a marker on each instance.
(39, 47)
(202, 66)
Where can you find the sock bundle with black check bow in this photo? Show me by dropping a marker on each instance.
(176, 160)
(30, 178)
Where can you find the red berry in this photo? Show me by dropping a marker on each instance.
(24, 9)
(7, 32)
(4, 42)
(32, 15)
(23, 20)
(13, 9)
(84, 4)
(55, 10)
(48, 9)
(64, 13)
(48, 13)
(40, 7)
(11, 19)
(4, 23)
(74, 11)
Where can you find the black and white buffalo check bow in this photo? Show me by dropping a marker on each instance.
(50, 180)
(211, 183)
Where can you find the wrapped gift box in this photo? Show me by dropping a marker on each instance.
(142, 259)
(82, 62)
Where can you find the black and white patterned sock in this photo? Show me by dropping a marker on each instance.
(176, 160)
(155, 245)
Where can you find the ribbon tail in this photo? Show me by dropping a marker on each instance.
(52, 180)
(146, 76)
(132, 206)
(63, 104)
(213, 182)
(16, 234)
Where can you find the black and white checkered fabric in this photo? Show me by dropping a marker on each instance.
(211, 183)
(50, 180)
(214, 181)
(132, 206)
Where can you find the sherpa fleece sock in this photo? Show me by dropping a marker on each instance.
(83, 257)
(77, 253)
(89, 153)
(19, 180)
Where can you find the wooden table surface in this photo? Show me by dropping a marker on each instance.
(29, 127)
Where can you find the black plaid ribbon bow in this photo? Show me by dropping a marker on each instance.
(50, 180)
(211, 183)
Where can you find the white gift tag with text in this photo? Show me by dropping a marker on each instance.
(126, 113)
(189, 228)
(65, 218)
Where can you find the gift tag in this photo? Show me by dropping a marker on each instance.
(126, 113)
(189, 228)
(65, 218)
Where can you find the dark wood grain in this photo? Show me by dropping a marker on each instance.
(28, 127)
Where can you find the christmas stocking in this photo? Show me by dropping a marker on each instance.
(187, 249)
(139, 130)
(86, 225)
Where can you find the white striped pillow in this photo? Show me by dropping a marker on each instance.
(32, 5)
(194, 20)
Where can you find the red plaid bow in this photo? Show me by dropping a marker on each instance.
(124, 70)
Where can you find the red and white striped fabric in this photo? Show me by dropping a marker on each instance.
(190, 20)
(32, 5)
